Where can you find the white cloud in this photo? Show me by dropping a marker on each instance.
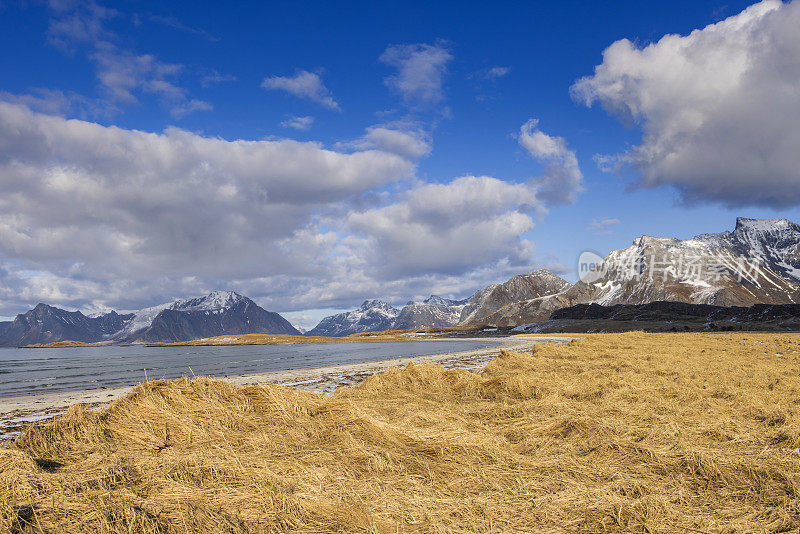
(563, 179)
(496, 72)
(74, 23)
(98, 206)
(718, 107)
(602, 225)
(298, 123)
(95, 216)
(448, 228)
(420, 72)
(176, 24)
(55, 102)
(398, 138)
(304, 84)
(121, 73)
(186, 107)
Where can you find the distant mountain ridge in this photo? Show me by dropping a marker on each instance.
(371, 316)
(757, 263)
(47, 324)
(218, 313)
(436, 311)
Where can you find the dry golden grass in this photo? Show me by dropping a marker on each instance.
(624, 432)
(68, 343)
(279, 339)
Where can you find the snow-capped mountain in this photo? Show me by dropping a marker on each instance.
(218, 313)
(491, 299)
(756, 263)
(215, 314)
(434, 311)
(371, 316)
(216, 301)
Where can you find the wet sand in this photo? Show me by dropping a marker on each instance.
(16, 412)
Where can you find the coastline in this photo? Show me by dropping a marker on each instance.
(16, 412)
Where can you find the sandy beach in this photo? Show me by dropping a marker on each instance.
(17, 412)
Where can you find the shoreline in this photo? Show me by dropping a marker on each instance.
(16, 412)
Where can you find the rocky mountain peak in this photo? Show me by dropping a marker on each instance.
(372, 315)
(216, 300)
(537, 284)
(744, 224)
(378, 305)
(436, 300)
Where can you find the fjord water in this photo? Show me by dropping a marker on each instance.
(32, 371)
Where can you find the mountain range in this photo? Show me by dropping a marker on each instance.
(436, 311)
(756, 263)
(220, 312)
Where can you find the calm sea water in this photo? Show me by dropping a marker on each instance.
(31, 371)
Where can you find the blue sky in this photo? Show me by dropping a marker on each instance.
(332, 78)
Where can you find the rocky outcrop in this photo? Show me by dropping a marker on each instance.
(669, 317)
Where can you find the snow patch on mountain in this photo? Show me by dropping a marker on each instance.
(214, 302)
(434, 311)
(371, 316)
(758, 262)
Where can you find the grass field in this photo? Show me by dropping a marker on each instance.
(620, 432)
(278, 339)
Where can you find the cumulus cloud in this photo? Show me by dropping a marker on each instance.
(130, 205)
(186, 107)
(420, 72)
(95, 216)
(718, 107)
(449, 228)
(303, 84)
(75, 23)
(399, 138)
(492, 73)
(56, 102)
(562, 179)
(602, 225)
(298, 123)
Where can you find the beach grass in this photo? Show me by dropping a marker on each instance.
(609, 433)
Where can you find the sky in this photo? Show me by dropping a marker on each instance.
(312, 155)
